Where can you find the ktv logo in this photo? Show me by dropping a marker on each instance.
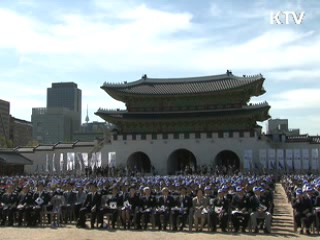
(286, 17)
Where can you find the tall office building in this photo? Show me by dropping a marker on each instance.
(4, 119)
(62, 116)
(66, 95)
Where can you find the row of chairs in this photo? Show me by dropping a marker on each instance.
(63, 216)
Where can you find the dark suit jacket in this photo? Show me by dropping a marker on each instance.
(168, 203)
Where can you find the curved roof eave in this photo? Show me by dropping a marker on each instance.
(147, 80)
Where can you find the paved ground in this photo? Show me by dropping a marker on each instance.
(282, 229)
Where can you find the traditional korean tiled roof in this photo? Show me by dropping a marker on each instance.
(25, 149)
(13, 157)
(168, 86)
(84, 144)
(124, 114)
(59, 145)
(64, 145)
(44, 147)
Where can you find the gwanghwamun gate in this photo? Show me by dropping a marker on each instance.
(171, 124)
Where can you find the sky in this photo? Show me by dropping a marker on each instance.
(90, 42)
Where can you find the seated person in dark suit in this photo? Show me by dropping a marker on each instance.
(111, 206)
(221, 210)
(91, 205)
(148, 203)
(183, 204)
(240, 206)
(130, 206)
(303, 207)
(9, 201)
(163, 209)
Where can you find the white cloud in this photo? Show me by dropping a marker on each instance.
(142, 37)
(296, 99)
(123, 36)
(296, 75)
(215, 10)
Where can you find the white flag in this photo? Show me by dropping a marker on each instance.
(85, 159)
(93, 160)
(47, 163)
(98, 157)
(61, 162)
(112, 159)
(79, 160)
(69, 161)
(73, 158)
(53, 163)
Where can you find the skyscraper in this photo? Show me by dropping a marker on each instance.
(62, 116)
(66, 95)
(4, 119)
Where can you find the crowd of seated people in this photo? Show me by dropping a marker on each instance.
(176, 203)
(303, 192)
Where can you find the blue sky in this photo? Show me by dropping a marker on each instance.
(93, 41)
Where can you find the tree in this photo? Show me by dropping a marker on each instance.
(5, 144)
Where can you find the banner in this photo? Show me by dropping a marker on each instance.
(297, 159)
(289, 159)
(85, 159)
(263, 157)
(280, 159)
(73, 158)
(305, 159)
(247, 159)
(79, 160)
(53, 162)
(93, 160)
(47, 163)
(61, 162)
(314, 159)
(98, 158)
(70, 161)
(112, 159)
(272, 158)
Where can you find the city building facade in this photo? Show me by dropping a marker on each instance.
(62, 116)
(66, 95)
(20, 132)
(4, 121)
